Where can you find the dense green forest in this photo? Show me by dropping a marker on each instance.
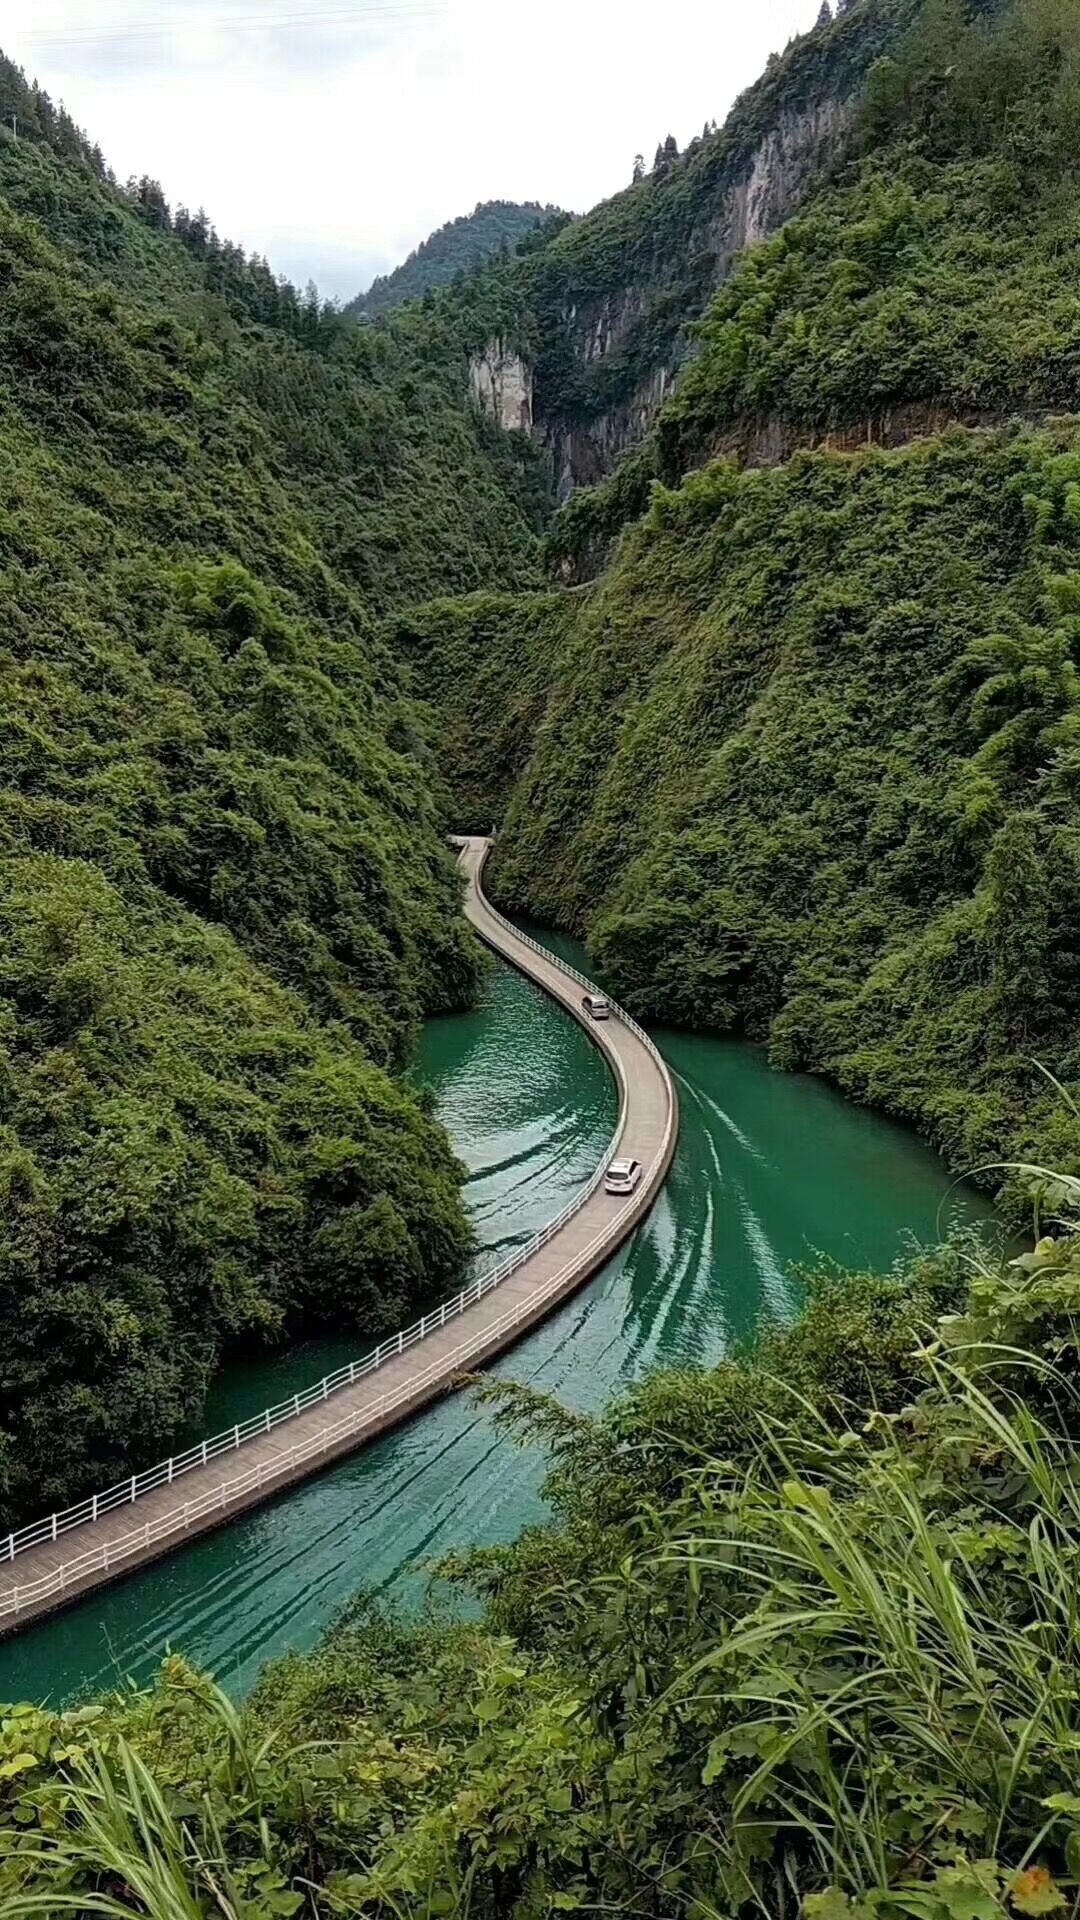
(226, 901)
(494, 228)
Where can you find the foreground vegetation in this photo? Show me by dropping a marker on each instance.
(802, 1636)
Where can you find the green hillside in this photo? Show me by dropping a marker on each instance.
(226, 900)
(494, 227)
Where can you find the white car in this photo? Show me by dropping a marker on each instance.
(622, 1176)
(597, 1006)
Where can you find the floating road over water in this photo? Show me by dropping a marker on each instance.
(57, 1559)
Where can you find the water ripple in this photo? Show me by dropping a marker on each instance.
(769, 1169)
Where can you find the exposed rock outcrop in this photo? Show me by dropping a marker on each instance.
(747, 204)
(502, 384)
(796, 148)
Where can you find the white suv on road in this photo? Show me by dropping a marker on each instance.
(622, 1176)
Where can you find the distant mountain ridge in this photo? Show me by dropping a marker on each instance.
(460, 245)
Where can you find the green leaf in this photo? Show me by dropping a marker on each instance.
(965, 1894)
(830, 1905)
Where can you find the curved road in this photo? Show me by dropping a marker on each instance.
(66, 1555)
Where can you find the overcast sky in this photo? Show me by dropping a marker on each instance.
(334, 135)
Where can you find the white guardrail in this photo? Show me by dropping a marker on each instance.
(227, 1493)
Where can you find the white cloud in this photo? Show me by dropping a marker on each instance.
(334, 135)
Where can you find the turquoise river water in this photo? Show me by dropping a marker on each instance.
(773, 1170)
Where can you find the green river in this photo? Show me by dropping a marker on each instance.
(772, 1170)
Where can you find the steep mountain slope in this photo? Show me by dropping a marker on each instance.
(923, 288)
(493, 227)
(226, 901)
(802, 760)
(603, 311)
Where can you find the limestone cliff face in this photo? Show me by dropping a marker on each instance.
(797, 147)
(629, 323)
(608, 302)
(583, 453)
(502, 384)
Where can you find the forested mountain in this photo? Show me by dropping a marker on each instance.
(799, 763)
(492, 228)
(225, 903)
(603, 314)
(800, 760)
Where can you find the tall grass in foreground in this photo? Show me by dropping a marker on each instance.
(114, 1840)
(896, 1663)
(833, 1669)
